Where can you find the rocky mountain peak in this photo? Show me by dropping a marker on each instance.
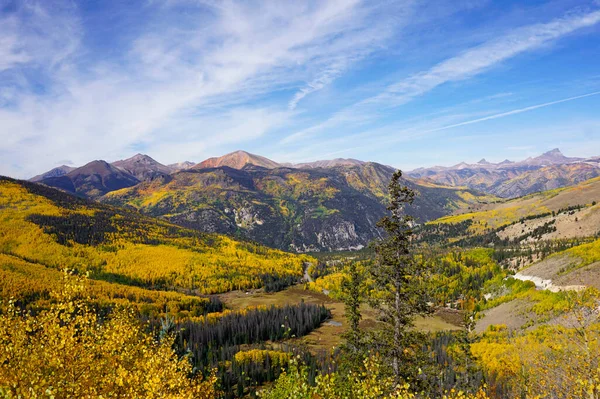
(137, 158)
(552, 157)
(237, 160)
(555, 151)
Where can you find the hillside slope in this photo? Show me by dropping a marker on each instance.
(565, 212)
(300, 209)
(574, 267)
(47, 227)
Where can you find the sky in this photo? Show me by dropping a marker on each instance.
(405, 83)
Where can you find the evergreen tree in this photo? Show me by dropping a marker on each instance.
(398, 282)
(353, 297)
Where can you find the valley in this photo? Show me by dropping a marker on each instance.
(317, 199)
(249, 263)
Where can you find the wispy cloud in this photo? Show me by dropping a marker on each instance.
(468, 64)
(512, 112)
(363, 41)
(419, 128)
(325, 77)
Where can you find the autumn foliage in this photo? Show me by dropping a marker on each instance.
(49, 228)
(68, 351)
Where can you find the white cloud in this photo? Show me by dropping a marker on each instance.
(185, 80)
(10, 52)
(182, 85)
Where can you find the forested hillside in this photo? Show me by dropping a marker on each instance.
(47, 227)
(146, 277)
(564, 213)
(321, 209)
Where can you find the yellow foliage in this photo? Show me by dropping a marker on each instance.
(209, 264)
(370, 383)
(551, 361)
(588, 253)
(68, 351)
(29, 283)
(542, 302)
(493, 218)
(277, 359)
(332, 283)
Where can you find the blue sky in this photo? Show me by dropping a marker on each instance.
(405, 83)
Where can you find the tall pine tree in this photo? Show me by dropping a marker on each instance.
(398, 281)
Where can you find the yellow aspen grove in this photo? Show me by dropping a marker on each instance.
(69, 352)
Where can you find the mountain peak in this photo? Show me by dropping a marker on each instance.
(96, 164)
(483, 161)
(550, 158)
(136, 158)
(237, 160)
(176, 167)
(55, 172)
(93, 179)
(142, 166)
(554, 152)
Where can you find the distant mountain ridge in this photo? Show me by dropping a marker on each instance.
(315, 206)
(141, 167)
(514, 179)
(56, 172)
(505, 179)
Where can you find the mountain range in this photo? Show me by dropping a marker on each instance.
(326, 205)
(514, 179)
(317, 206)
